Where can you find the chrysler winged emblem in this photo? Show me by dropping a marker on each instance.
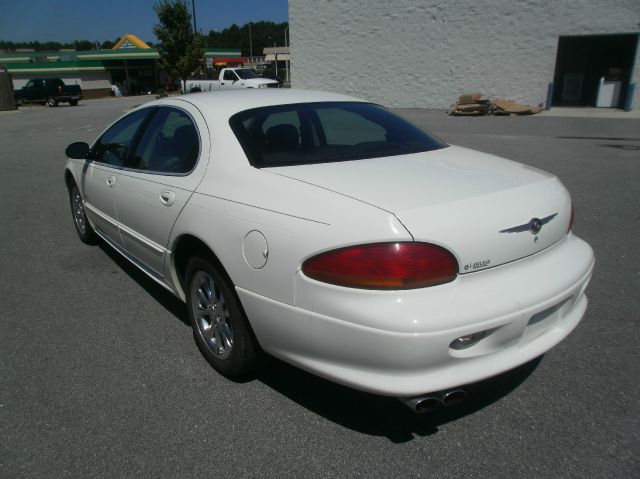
(534, 226)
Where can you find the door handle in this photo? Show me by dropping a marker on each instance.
(111, 180)
(167, 197)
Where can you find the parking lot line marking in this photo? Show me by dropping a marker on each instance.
(80, 128)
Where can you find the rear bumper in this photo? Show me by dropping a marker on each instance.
(398, 343)
(64, 98)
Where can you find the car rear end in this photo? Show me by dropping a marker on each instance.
(488, 277)
(68, 93)
(466, 299)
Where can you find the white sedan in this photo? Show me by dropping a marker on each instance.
(335, 235)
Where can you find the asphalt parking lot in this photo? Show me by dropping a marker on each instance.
(100, 377)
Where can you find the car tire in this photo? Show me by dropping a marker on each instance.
(220, 328)
(51, 101)
(19, 102)
(73, 102)
(80, 221)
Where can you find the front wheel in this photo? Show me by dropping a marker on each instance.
(52, 101)
(80, 221)
(220, 328)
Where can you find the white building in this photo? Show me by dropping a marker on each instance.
(424, 54)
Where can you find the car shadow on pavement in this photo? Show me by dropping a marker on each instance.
(167, 300)
(378, 415)
(359, 411)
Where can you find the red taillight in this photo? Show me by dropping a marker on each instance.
(573, 217)
(403, 265)
(60, 89)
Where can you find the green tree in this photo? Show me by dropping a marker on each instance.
(180, 49)
(108, 44)
(84, 45)
(263, 34)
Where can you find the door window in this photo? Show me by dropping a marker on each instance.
(170, 143)
(229, 75)
(113, 146)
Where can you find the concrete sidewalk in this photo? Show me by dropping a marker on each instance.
(590, 112)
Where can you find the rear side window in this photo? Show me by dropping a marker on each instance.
(308, 133)
(169, 144)
(114, 145)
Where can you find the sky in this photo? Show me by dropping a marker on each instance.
(67, 20)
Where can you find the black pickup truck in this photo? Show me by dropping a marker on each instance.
(48, 90)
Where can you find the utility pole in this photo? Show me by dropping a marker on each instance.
(193, 9)
(250, 43)
(288, 52)
(275, 54)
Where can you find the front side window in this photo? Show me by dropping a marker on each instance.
(169, 144)
(113, 146)
(308, 133)
(229, 75)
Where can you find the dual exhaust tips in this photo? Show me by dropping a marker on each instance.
(430, 402)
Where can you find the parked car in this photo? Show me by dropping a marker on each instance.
(118, 89)
(335, 235)
(50, 91)
(231, 79)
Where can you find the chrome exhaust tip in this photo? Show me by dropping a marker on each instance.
(453, 397)
(430, 402)
(421, 404)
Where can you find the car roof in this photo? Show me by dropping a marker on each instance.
(229, 102)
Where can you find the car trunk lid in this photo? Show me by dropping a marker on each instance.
(486, 210)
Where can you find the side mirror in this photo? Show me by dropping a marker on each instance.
(78, 150)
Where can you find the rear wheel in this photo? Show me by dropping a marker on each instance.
(83, 228)
(220, 328)
(73, 102)
(52, 101)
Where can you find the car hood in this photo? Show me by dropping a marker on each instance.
(477, 205)
(259, 81)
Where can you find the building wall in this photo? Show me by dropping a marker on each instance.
(93, 84)
(96, 81)
(424, 54)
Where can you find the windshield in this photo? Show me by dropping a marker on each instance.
(308, 133)
(246, 74)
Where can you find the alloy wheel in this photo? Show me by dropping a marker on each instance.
(78, 210)
(211, 315)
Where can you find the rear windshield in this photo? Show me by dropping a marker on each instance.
(307, 133)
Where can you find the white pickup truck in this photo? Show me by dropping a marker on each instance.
(232, 79)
